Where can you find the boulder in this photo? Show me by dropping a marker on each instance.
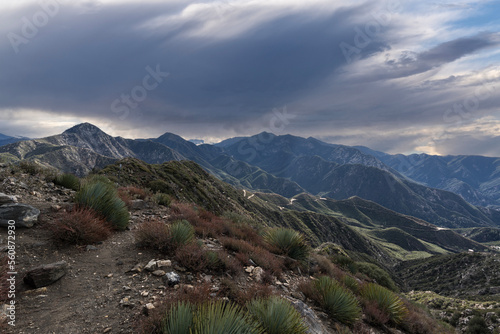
(7, 199)
(23, 214)
(46, 274)
(315, 326)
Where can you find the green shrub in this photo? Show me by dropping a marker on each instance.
(477, 325)
(351, 283)
(162, 199)
(159, 186)
(387, 301)
(103, 198)
(179, 319)
(340, 303)
(181, 233)
(346, 263)
(223, 318)
(277, 316)
(68, 181)
(289, 242)
(379, 275)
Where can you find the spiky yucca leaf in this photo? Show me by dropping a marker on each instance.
(277, 316)
(179, 319)
(351, 283)
(103, 198)
(387, 301)
(340, 303)
(289, 242)
(223, 318)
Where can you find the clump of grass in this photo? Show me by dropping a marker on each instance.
(179, 319)
(80, 226)
(288, 242)
(277, 316)
(68, 181)
(161, 199)
(181, 233)
(386, 301)
(103, 199)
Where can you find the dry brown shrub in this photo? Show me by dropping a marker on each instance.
(153, 234)
(80, 226)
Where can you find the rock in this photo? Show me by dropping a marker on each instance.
(151, 266)
(158, 273)
(46, 274)
(107, 330)
(172, 278)
(137, 268)
(7, 199)
(147, 308)
(310, 318)
(138, 204)
(56, 207)
(163, 263)
(257, 274)
(24, 215)
(90, 247)
(249, 269)
(125, 302)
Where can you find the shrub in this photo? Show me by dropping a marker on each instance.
(68, 181)
(242, 297)
(386, 301)
(477, 325)
(346, 263)
(30, 167)
(379, 275)
(80, 226)
(153, 234)
(339, 302)
(162, 199)
(192, 257)
(351, 283)
(181, 233)
(103, 198)
(159, 186)
(277, 316)
(288, 242)
(419, 321)
(179, 319)
(211, 317)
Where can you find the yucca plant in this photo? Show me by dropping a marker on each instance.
(181, 233)
(289, 242)
(277, 316)
(386, 300)
(69, 181)
(103, 198)
(179, 319)
(223, 318)
(340, 303)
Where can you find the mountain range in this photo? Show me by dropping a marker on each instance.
(435, 189)
(4, 139)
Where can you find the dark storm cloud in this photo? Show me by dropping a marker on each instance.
(219, 70)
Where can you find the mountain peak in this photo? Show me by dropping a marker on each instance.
(84, 128)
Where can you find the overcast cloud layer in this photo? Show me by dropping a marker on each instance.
(408, 76)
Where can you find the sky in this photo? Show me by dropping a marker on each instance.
(396, 76)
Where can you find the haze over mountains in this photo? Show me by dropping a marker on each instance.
(435, 189)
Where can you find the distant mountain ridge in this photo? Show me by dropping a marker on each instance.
(286, 165)
(5, 140)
